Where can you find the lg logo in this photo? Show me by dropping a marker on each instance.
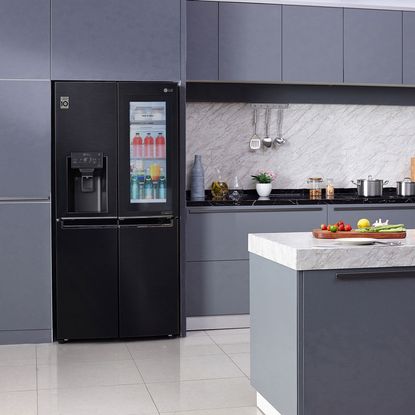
(64, 103)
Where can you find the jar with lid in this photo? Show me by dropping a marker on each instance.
(329, 189)
(314, 184)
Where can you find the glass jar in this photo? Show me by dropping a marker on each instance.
(219, 188)
(314, 184)
(329, 189)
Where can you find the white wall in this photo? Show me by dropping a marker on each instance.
(340, 141)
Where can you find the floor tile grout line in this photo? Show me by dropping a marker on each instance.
(217, 344)
(144, 383)
(197, 380)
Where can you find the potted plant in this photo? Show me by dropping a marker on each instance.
(264, 181)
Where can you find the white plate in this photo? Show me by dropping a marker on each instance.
(356, 241)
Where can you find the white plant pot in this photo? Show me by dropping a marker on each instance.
(264, 189)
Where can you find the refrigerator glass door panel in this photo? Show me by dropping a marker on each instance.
(148, 149)
(149, 279)
(148, 181)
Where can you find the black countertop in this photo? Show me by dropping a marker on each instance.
(301, 197)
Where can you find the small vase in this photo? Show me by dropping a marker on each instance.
(197, 184)
(264, 189)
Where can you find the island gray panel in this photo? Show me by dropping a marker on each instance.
(25, 39)
(217, 288)
(25, 257)
(202, 40)
(249, 42)
(359, 340)
(409, 48)
(312, 44)
(351, 214)
(25, 133)
(116, 40)
(372, 46)
(222, 234)
(273, 295)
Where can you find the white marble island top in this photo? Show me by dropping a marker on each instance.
(301, 251)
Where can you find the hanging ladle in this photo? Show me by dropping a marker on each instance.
(267, 140)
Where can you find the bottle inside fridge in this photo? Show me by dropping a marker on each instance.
(148, 165)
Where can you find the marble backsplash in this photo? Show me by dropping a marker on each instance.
(343, 142)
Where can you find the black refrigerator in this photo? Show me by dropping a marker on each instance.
(116, 204)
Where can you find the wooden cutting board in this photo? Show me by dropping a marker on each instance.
(319, 234)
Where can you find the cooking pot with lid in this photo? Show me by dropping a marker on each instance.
(406, 187)
(370, 187)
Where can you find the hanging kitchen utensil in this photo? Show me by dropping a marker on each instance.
(267, 140)
(279, 140)
(255, 141)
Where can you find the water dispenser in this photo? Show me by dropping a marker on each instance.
(87, 179)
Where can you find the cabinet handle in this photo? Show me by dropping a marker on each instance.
(362, 207)
(239, 210)
(375, 275)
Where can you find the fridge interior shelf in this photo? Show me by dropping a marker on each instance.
(150, 158)
(148, 200)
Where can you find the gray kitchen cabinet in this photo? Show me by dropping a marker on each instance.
(408, 48)
(202, 40)
(372, 46)
(249, 42)
(396, 213)
(25, 134)
(26, 281)
(215, 233)
(116, 40)
(25, 39)
(351, 321)
(217, 288)
(312, 44)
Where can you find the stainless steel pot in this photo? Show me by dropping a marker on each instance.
(370, 187)
(406, 187)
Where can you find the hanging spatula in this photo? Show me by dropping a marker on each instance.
(255, 141)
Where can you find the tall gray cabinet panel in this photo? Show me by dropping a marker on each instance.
(409, 48)
(25, 295)
(202, 40)
(116, 40)
(312, 39)
(249, 42)
(372, 46)
(24, 39)
(25, 136)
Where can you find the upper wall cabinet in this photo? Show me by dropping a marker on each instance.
(312, 44)
(372, 46)
(25, 136)
(249, 42)
(409, 48)
(202, 40)
(116, 40)
(25, 39)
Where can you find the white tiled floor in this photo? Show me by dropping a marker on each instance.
(206, 373)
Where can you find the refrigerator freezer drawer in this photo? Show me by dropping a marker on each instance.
(87, 287)
(149, 281)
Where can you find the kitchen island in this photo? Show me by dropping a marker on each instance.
(332, 326)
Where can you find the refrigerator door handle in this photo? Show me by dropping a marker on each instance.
(149, 222)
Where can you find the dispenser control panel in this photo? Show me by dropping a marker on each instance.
(87, 160)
